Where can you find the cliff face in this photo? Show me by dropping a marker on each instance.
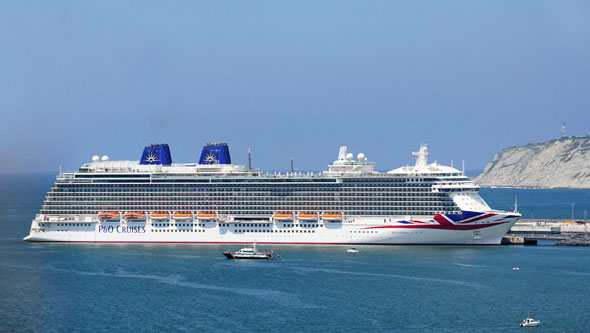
(563, 163)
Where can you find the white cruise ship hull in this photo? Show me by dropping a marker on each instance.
(486, 230)
(217, 202)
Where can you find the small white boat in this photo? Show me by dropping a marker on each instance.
(530, 322)
(250, 253)
(352, 250)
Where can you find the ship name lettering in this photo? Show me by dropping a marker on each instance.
(122, 229)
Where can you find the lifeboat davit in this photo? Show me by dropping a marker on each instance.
(332, 216)
(134, 216)
(206, 216)
(307, 216)
(182, 216)
(159, 216)
(109, 216)
(283, 216)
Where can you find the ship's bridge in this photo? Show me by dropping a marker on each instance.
(443, 178)
(422, 168)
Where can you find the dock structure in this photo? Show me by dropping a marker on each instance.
(518, 240)
(550, 226)
(566, 232)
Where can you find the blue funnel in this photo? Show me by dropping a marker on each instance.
(215, 153)
(158, 153)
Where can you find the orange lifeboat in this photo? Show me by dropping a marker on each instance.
(283, 216)
(134, 216)
(332, 216)
(159, 216)
(109, 216)
(182, 216)
(307, 216)
(204, 216)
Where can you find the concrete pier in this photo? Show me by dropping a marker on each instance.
(550, 226)
(518, 240)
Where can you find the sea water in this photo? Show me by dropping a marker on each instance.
(540, 203)
(106, 287)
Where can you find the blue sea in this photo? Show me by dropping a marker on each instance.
(73, 287)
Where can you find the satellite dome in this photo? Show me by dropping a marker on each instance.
(95, 158)
(360, 157)
(105, 158)
(349, 157)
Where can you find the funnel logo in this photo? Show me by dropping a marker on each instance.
(210, 158)
(151, 158)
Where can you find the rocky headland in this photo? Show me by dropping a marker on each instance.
(561, 163)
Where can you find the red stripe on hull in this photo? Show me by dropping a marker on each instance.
(273, 243)
(444, 226)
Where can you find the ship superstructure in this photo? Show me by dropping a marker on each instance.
(215, 201)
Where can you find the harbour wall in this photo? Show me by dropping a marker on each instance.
(555, 226)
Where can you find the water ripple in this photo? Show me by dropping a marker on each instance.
(283, 298)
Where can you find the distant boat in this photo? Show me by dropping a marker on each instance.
(530, 322)
(249, 253)
(352, 250)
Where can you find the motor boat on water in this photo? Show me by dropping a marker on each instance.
(530, 322)
(250, 253)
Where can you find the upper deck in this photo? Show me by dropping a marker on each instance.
(349, 185)
(344, 167)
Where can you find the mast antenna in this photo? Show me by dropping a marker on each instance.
(249, 160)
(292, 168)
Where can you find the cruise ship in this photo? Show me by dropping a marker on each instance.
(214, 201)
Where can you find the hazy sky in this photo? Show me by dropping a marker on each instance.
(289, 79)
